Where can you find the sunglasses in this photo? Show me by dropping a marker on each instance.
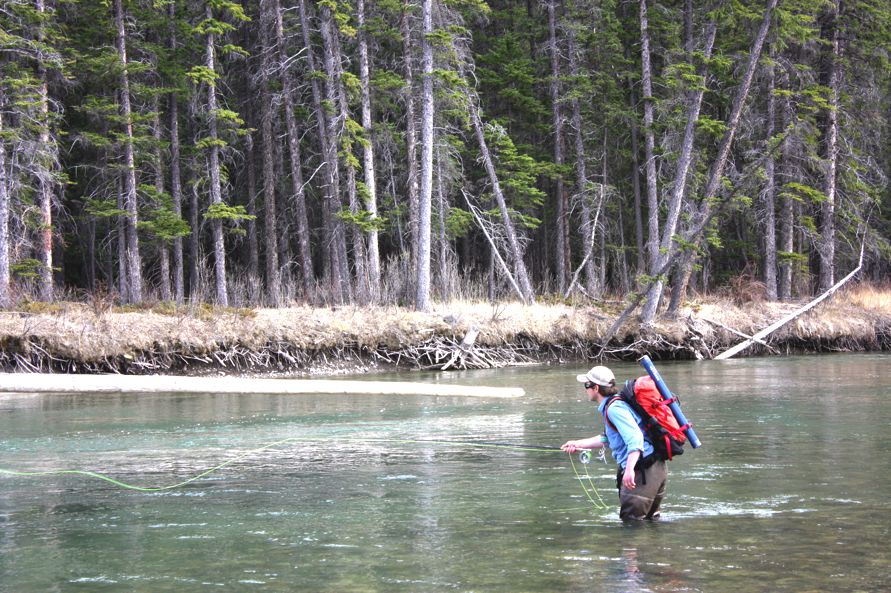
(589, 385)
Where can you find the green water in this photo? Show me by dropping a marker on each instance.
(788, 493)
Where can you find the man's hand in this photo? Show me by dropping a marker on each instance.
(628, 478)
(570, 447)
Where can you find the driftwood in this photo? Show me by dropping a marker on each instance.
(464, 349)
(55, 383)
(442, 353)
(775, 326)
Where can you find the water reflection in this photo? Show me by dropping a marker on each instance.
(778, 493)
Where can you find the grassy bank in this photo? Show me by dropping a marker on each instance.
(72, 337)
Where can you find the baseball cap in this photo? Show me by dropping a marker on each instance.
(599, 375)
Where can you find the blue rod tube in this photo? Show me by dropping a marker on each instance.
(673, 406)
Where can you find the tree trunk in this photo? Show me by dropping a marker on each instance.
(422, 272)
(635, 188)
(635, 161)
(516, 252)
(176, 194)
(770, 228)
(195, 263)
(685, 160)
(411, 138)
(787, 210)
(284, 226)
(581, 172)
(649, 144)
(339, 264)
(5, 296)
(216, 192)
(600, 287)
(374, 265)
(717, 170)
(46, 185)
(297, 183)
(826, 244)
(255, 296)
(331, 187)
(163, 253)
(249, 91)
(271, 231)
(134, 264)
(176, 191)
(123, 281)
(442, 244)
(337, 96)
(562, 207)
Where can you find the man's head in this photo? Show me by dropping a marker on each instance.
(598, 381)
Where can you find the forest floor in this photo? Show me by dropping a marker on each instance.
(299, 341)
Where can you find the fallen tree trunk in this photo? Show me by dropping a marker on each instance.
(775, 326)
(59, 383)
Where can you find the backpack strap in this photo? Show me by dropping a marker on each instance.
(612, 399)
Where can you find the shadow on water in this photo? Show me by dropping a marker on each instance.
(788, 492)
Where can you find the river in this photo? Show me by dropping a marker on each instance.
(789, 491)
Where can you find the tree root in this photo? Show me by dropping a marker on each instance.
(699, 341)
(443, 353)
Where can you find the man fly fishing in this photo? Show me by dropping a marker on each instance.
(642, 474)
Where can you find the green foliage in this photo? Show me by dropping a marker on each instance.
(205, 143)
(363, 220)
(226, 213)
(202, 75)
(165, 225)
(24, 269)
(802, 193)
(518, 172)
(791, 257)
(459, 222)
(712, 127)
(495, 51)
(103, 208)
(229, 116)
(352, 84)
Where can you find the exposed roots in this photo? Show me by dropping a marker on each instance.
(696, 337)
(444, 353)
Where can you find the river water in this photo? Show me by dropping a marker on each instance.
(789, 492)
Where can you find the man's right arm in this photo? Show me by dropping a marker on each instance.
(597, 442)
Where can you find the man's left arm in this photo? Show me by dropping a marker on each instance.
(631, 433)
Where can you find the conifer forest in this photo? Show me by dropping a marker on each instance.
(268, 152)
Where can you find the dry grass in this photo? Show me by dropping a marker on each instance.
(869, 297)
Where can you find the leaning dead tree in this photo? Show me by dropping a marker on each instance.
(516, 252)
(795, 314)
(491, 234)
(589, 251)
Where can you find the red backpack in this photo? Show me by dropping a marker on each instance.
(657, 420)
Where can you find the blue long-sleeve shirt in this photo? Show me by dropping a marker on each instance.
(627, 435)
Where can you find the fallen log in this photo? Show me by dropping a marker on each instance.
(775, 326)
(61, 383)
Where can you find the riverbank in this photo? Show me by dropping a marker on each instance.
(301, 341)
